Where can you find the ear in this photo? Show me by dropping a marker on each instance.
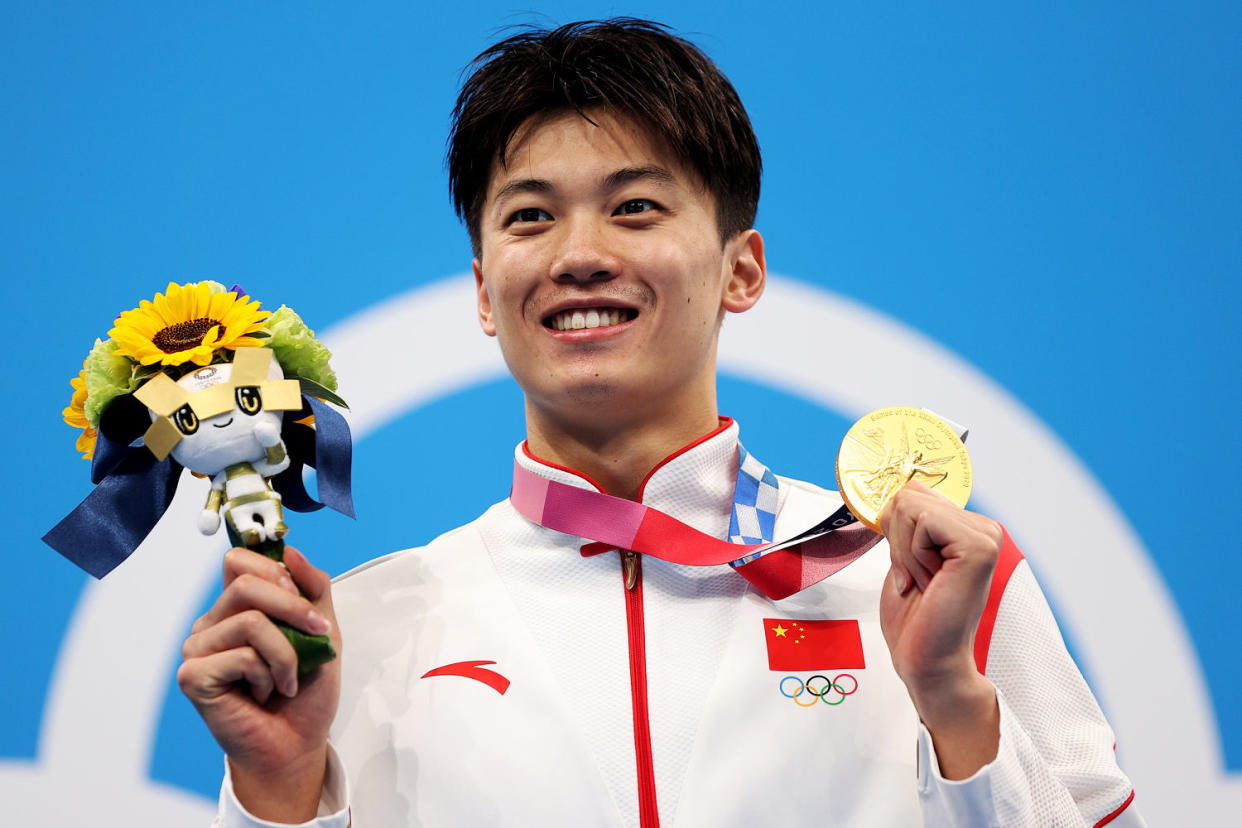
(748, 273)
(124, 420)
(485, 301)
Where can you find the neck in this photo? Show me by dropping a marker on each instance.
(616, 456)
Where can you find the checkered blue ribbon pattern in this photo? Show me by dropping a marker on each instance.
(755, 496)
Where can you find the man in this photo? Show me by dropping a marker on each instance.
(511, 673)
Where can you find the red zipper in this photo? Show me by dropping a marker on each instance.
(632, 571)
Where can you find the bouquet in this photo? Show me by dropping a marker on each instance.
(201, 378)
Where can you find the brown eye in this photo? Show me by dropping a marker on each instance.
(186, 420)
(248, 399)
(530, 214)
(635, 206)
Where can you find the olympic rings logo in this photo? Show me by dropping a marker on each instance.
(831, 692)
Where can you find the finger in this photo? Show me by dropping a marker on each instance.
(255, 630)
(916, 490)
(922, 547)
(898, 524)
(250, 591)
(941, 520)
(893, 583)
(894, 520)
(900, 578)
(921, 575)
(314, 582)
(959, 534)
(982, 532)
(316, 585)
(970, 553)
(909, 570)
(915, 487)
(240, 561)
(204, 680)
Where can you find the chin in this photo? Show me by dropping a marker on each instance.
(593, 397)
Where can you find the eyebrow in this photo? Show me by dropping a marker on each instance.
(627, 174)
(613, 181)
(523, 185)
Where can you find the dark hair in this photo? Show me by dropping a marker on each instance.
(634, 67)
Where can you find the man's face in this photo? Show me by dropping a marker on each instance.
(602, 272)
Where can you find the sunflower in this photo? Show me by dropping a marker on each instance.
(187, 323)
(75, 416)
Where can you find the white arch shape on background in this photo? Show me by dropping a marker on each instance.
(104, 702)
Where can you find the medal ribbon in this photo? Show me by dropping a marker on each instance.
(778, 570)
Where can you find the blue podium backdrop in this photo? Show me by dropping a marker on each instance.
(1026, 217)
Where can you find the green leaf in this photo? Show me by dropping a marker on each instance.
(314, 389)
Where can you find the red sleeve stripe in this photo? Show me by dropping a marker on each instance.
(1006, 562)
(1117, 812)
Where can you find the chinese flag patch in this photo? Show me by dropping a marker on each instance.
(795, 644)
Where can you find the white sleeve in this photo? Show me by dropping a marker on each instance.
(1055, 764)
(333, 802)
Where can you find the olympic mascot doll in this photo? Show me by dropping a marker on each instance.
(201, 378)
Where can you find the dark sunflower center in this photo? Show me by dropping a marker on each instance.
(183, 335)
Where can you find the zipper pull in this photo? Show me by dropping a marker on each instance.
(629, 563)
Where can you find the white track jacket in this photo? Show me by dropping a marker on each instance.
(557, 696)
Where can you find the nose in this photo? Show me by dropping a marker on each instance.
(584, 253)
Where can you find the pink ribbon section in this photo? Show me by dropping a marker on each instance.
(618, 522)
(587, 514)
(784, 568)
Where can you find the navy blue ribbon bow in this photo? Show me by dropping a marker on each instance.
(134, 489)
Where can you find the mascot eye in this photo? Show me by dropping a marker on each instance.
(248, 399)
(186, 420)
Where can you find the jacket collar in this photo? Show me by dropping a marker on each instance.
(693, 484)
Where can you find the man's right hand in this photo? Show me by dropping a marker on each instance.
(240, 672)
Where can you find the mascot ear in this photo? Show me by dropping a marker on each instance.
(124, 420)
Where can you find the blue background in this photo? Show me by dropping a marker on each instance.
(1050, 190)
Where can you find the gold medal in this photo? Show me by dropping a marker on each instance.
(892, 446)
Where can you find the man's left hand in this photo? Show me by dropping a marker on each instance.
(937, 586)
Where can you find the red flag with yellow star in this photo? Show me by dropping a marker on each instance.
(802, 644)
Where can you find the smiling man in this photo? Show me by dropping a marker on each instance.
(602, 272)
(521, 670)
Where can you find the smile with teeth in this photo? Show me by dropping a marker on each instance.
(579, 318)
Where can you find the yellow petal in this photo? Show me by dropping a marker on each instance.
(133, 346)
(198, 302)
(86, 443)
(141, 322)
(220, 305)
(162, 308)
